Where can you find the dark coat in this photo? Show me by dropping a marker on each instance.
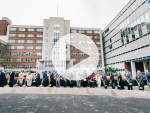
(112, 78)
(12, 75)
(38, 77)
(45, 77)
(139, 78)
(104, 77)
(2, 79)
(52, 77)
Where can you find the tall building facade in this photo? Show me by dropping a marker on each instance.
(34, 47)
(126, 38)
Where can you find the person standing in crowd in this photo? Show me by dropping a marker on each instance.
(78, 81)
(57, 75)
(52, 78)
(2, 78)
(45, 79)
(119, 79)
(71, 77)
(104, 77)
(98, 78)
(147, 77)
(91, 81)
(64, 75)
(29, 79)
(11, 74)
(37, 77)
(84, 75)
(139, 79)
(129, 79)
(21, 77)
(112, 80)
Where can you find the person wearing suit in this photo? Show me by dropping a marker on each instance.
(84, 75)
(21, 77)
(112, 80)
(37, 77)
(64, 75)
(57, 75)
(2, 78)
(119, 79)
(98, 78)
(45, 79)
(147, 77)
(52, 78)
(129, 79)
(71, 78)
(11, 74)
(104, 77)
(139, 79)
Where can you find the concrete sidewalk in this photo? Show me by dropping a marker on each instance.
(76, 91)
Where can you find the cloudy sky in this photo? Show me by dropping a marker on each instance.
(81, 13)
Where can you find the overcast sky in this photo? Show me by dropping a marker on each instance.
(81, 13)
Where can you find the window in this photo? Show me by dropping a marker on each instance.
(90, 59)
(73, 48)
(74, 59)
(20, 41)
(135, 25)
(90, 54)
(56, 34)
(46, 40)
(10, 47)
(22, 29)
(38, 53)
(99, 59)
(10, 53)
(110, 47)
(28, 59)
(18, 67)
(28, 66)
(19, 59)
(20, 47)
(147, 18)
(29, 53)
(21, 35)
(30, 41)
(11, 41)
(89, 37)
(29, 47)
(39, 35)
(12, 29)
(97, 37)
(37, 59)
(39, 30)
(45, 52)
(47, 28)
(46, 34)
(99, 71)
(73, 42)
(81, 31)
(96, 42)
(82, 48)
(38, 47)
(74, 54)
(81, 42)
(73, 36)
(89, 42)
(30, 35)
(56, 27)
(99, 65)
(98, 54)
(96, 32)
(12, 35)
(110, 40)
(82, 59)
(46, 46)
(90, 48)
(9, 60)
(142, 20)
(39, 41)
(19, 53)
(88, 31)
(82, 54)
(73, 31)
(30, 29)
(65, 29)
(8, 66)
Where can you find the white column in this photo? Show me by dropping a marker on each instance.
(133, 69)
(145, 65)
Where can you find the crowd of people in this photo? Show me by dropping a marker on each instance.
(69, 78)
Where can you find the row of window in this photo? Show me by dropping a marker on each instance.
(83, 54)
(29, 35)
(22, 41)
(24, 29)
(20, 60)
(83, 31)
(27, 53)
(83, 42)
(83, 37)
(83, 59)
(22, 47)
(83, 48)
(19, 66)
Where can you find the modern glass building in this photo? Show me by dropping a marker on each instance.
(126, 38)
